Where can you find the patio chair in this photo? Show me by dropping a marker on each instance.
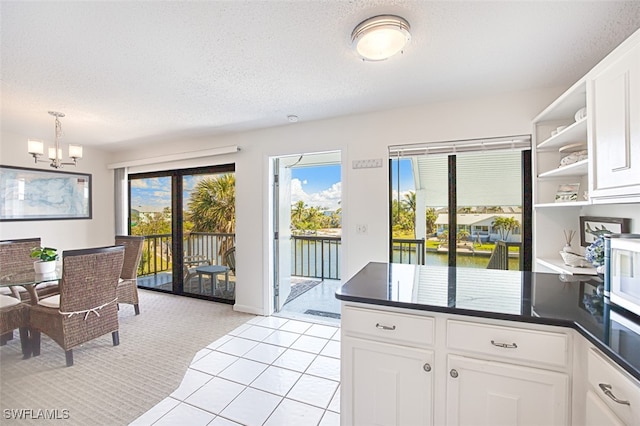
(15, 314)
(500, 257)
(190, 264)
(15, 256)
(128, 283)
(86, 307)
(229, 257)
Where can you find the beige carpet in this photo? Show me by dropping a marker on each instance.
(110, 385)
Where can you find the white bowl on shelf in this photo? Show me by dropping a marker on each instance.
(574, 260)
(580, 114)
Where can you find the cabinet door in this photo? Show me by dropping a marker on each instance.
(385, 384)
(598, 414)
(488, 393)
(616, 153)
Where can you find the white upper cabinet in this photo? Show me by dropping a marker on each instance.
(615, 136)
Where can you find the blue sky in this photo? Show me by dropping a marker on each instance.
(406, 175)
(318, 186)
(154, 194)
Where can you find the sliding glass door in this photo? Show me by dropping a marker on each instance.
(462, 203)
(188, 219)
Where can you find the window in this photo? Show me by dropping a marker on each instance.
(479, 188)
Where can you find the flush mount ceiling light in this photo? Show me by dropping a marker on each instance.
(380, 37)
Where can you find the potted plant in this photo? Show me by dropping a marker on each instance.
(46, 259)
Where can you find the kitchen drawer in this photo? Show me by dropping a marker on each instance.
(531, 346)
(603, 377)
(412, 330)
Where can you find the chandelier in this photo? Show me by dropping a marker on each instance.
(36, 147)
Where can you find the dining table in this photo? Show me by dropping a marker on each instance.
(28, 279)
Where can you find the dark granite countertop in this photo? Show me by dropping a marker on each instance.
(550, 299)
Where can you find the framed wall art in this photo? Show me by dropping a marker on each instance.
(34, 194)
(592, 227)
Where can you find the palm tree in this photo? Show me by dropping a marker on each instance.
(212, 207)
(504, 226)
(297, 212)
(409, 206)
(431, 220)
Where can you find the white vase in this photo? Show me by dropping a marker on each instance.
(44, 267)
(567, 248)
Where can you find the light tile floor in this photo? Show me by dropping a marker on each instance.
(270, 371)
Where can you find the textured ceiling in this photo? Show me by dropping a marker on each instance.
(135, 72)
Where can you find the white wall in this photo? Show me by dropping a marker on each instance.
(64, 234)
(365, 191)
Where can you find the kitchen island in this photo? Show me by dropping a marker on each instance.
(440, 345)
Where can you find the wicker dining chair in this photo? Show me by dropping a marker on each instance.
(15, 314)
(86, 307)
(15, 256)
(128, 284)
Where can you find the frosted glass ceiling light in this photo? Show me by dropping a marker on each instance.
(36, 147)
(380, 37)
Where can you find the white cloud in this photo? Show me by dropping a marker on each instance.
(328, 198)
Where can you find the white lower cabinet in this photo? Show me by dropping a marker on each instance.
(617, 394)
(598, 414)
(481, 392)
(404, 369)
(386, 384)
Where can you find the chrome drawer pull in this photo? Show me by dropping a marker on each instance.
(607, 391)
(504, 345)
(385, 327)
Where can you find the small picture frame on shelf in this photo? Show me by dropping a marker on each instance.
(592, 227)
(567, 192)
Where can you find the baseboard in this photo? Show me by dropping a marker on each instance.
(248, 309)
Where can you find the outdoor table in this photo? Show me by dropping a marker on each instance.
(213, 271)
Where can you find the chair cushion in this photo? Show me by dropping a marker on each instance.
(50, 302)
(8, 301)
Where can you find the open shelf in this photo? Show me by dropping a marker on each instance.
(577, 132)
(567, 104)
(579, 168)
(558, 265)
(567, 204)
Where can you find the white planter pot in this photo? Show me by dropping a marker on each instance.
(44, 267)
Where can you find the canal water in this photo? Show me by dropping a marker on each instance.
(465, 261)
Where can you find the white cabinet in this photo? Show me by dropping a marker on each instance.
(485, 386)
(616, 125)
(385, 384)
(614, 389)
(400, 368)
(387, 368)
(481, 392)
(598, 414)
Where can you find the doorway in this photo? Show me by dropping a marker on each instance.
(187, 217)
(307, 235)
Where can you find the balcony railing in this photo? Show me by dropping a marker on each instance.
(312, 256)
(316, 257)
(408, 251)
(157, 253)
